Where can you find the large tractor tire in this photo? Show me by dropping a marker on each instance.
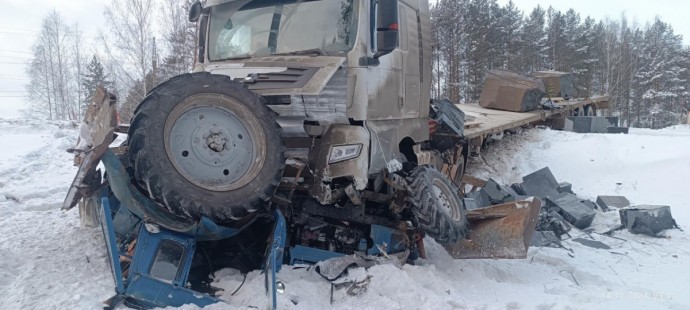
(435, 204)
(204, 145)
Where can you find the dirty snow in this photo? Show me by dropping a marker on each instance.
(48, 262)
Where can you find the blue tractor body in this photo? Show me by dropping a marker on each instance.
(152, 263)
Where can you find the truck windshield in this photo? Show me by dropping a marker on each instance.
(248, 28)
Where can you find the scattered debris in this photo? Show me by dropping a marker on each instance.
(579, 124)
(517, 187)
(572, 209)
(480, 197)
(593, 124)
(565, 187)
(545, 239)
(497, 193)
(623, 130)
(591, 204)
(470, 203)
(333, 268)
(540, 183)
(592, 243)
(550, 220)
(563, 209)
(648, 220)
(606, 202)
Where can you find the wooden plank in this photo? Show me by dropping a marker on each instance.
(473, 124)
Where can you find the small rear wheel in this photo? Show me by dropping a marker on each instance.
(436, 206)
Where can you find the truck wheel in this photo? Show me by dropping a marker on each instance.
(435, 204)
(204, 145)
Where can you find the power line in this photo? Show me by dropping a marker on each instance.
(15, 51)
(15, 57)
(14, 77)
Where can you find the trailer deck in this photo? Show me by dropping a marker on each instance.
(488, 121)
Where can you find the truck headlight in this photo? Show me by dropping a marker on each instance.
(344, 152)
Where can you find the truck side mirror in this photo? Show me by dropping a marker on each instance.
(386, 27)
(195, 11)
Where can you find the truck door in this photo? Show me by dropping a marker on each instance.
(409, 44)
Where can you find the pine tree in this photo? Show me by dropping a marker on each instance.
(535, 41)
(95, 76)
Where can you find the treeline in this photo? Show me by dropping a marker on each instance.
(645, 68)
(125, 57)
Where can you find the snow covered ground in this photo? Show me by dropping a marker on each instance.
(48, 262)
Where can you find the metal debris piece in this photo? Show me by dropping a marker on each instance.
(590, 124)
(617, 130)
(540, 183)
(590, 204)
(572, 209)
(517, 187)
(470, 203)
(565, 187)
(331, 269)
(592, 243)
(497, 193)
(550, 220)
(545, 239)
(648, 220)
(480, 197)
(606, 202)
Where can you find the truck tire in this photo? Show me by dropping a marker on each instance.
(435, 204)
(204, 145)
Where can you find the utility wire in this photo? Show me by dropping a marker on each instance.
(16, 57)
(15, 51)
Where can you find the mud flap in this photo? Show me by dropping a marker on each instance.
(274, 260)
(501, 231)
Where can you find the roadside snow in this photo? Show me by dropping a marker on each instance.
(48, 262)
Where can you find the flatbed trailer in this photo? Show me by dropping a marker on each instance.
(481, 123)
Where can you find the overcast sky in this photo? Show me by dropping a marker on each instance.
(20, 21)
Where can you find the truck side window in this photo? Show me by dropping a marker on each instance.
(374, 19)
(167, 261)
(402, 21)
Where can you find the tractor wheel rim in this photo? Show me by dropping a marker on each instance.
(447, 204)
(213, 147)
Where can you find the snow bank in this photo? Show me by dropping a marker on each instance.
(48, 262)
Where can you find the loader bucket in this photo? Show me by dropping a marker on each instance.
(501, 231)
(95, 135)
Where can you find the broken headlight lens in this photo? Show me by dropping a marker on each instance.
(344, 152)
